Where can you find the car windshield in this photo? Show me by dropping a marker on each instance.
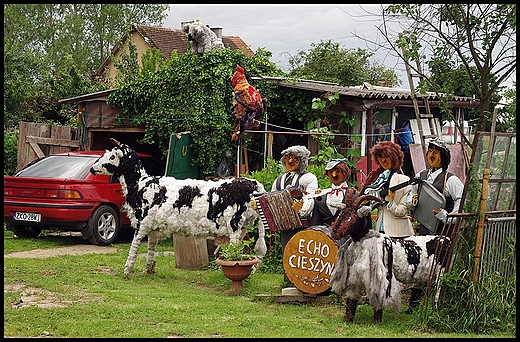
(71, 167)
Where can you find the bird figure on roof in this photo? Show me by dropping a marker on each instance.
(247, 103)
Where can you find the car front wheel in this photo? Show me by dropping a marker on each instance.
(104, 225)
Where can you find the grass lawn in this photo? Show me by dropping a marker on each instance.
(87, 296)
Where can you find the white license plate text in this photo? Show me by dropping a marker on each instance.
(31, 217)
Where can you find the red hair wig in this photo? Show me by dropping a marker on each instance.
(390, 149)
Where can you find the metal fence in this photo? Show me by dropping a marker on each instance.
(499, 247)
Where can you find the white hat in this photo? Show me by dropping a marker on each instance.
(441, 144)
(331, 163)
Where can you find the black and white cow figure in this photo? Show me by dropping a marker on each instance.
(159, 207)
(377, 265)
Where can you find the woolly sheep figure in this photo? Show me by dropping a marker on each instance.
(202, 39)
(159, 207)
(377, 265)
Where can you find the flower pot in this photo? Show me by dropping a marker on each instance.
(236, 271)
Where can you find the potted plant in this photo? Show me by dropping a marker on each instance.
(237, 260)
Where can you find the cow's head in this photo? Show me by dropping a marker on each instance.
(116, 161)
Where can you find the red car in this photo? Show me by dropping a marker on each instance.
(58, 193)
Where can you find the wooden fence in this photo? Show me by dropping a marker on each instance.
(36, 140)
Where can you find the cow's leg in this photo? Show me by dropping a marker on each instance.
(237, 235)
(415, 300)
(350, 309)
(260, 246)
(243, 233)
(378, 316)
(132, 255)
(150, 255)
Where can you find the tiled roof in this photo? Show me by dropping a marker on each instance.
(236, 43)
(166, 40)
(163, 38)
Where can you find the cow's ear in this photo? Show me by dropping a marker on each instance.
(134, 157)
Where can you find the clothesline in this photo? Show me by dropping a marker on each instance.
(288, 130)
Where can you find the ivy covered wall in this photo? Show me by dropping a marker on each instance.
(193, 93)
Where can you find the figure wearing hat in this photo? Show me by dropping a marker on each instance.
(448, 184)
(327, 207)
(393, 214)
(295, 160)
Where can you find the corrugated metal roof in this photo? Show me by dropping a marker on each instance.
(100, 95)
(365, 91)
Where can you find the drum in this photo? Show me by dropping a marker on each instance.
(309, 259)
(428, 199)
(276, 211)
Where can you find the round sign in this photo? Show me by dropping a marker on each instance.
(309, 259)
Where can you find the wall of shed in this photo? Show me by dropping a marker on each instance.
(99, 123)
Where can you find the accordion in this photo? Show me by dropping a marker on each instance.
(276, 211)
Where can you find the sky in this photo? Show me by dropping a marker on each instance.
(287, 29)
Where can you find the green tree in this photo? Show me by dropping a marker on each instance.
(449, 78)
(10, 151)
(20, 88)
(52, 50)
(471, 36)
(328, 61)
(507, 113)
(81, 34)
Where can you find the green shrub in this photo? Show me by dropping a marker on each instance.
(10, 151)
(241, 250)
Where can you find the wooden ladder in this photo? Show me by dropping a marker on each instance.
(433, 131)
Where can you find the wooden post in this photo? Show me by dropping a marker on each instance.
(191, 253)
(246, 159)
(483, 199)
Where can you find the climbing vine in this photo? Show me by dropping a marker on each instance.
(323, 126)
(192, 92)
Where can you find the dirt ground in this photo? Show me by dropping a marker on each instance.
(82, 247)
(32, 296)
(69, 250)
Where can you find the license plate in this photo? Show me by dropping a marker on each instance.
(31, 217)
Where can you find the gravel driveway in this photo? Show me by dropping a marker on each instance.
(69, 250)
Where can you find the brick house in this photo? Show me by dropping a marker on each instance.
(98, 120)
(165, 40)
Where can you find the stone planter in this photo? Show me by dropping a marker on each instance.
(236, 271)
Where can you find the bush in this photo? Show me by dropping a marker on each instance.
(10, 151)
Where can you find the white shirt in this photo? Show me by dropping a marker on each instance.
(336, 196)
(308, 182)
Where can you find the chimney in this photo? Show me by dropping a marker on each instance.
(218, 31)
(186, 22)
